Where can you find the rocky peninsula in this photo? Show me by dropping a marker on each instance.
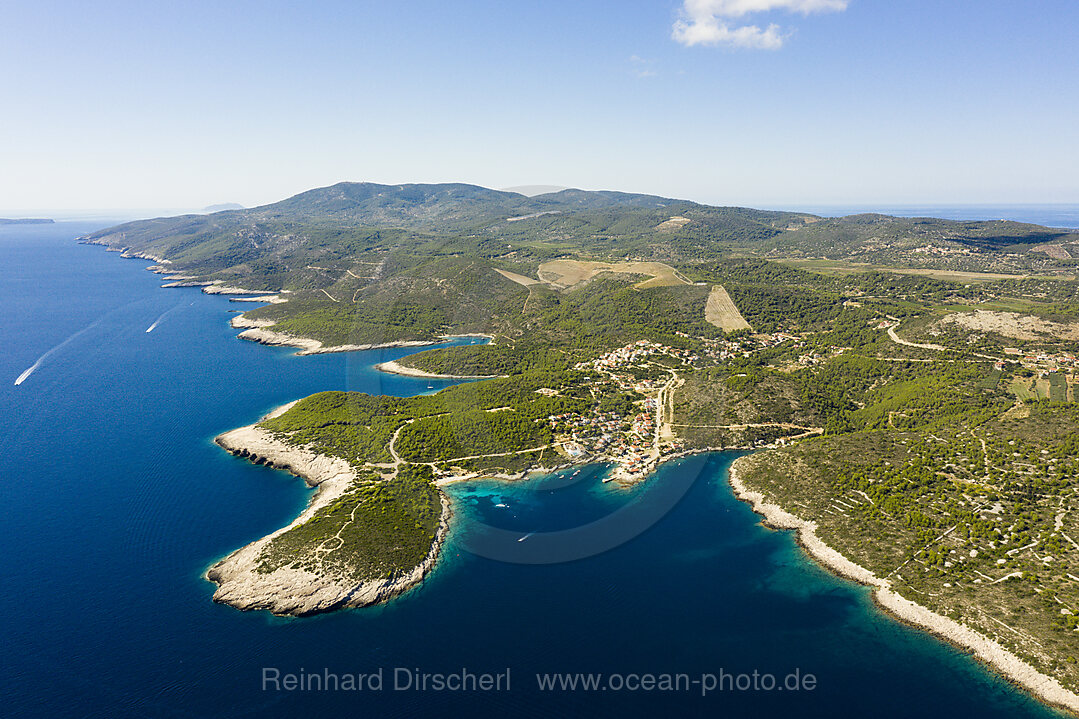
(394, 367)
(256, 331)
(242, 579)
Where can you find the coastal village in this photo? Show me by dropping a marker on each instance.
(647, 369)
(636, 443)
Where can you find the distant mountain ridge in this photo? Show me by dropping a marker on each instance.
(360, 217)
(274, 245)
(533, 190)
(424, 204)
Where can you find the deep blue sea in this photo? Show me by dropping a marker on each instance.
(1058, 215)
(116, 500)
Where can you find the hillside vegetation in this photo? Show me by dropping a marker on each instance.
(910, 383)
(421, 259)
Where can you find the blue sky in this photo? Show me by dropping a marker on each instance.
(135, 104)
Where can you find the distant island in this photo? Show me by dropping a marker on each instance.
(222, 207)
(26, 221)
(908, 385)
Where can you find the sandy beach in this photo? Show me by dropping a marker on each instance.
(985, 649)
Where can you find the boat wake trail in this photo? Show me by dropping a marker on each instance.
(33, 368)
(158, 320)
(26, 373)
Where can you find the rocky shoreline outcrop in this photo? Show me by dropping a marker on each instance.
(256, 332)
(297, 592)
(986, 650)
(394, 367)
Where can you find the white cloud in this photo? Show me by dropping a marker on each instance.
(642, 68)
(708, 22)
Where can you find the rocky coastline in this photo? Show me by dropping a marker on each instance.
(394, 367)
(296, 592)
(256, 331)
(984, 649)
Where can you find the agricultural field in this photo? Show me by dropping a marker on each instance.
(722, 312)
(568, 274)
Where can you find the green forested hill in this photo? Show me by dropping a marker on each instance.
(350, 220)
(367, 263)
(911, 381)
(274, 246)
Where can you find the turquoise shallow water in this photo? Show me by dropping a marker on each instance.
(115, 501)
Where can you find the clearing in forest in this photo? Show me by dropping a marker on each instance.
(1013, 324)
(675, 223)
(519, 279)
(722, 312)
(565, 274)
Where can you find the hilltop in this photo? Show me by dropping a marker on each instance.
(909, 384)
(422, 260)
(351, 219)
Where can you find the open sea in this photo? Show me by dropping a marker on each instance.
(1058, 215)
(116, 500)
